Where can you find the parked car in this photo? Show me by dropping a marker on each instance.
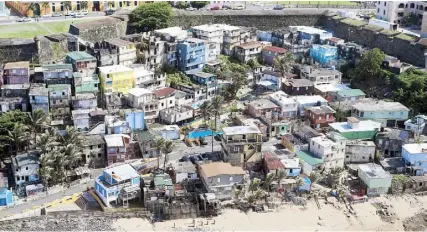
(190, 9)
(24, 19)
(84, 12)
(56, 14)
(109, 12)
(203, 141)
(184, 159)
(278, 7)
(227, 7)
(239, 7)
(78, 15)
(47, 16)
(195, 159)
(217, 137)
(215, 8)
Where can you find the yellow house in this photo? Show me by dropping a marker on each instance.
(29, 8)
(116, 79)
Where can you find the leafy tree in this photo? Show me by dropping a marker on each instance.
(205, 110)
(237, 193)
(18, 136)
(38, 120)
(284, 64)
(72, 158)
(230, 92)
(411, 90)
(299, 182)
(151, 16)
(84, 5)
(253, 63)
(411, 19)
(159, 144)
(199, 4)
(67, 5)
(45, 5)
(268, 180)
(280, 175)
(167, 149)
(314, 177)
(254, 185)
(215, 108)
(71, 137)
(182, 5)
(46, 140)
(369, 67)
(178, 78)
(46, 169)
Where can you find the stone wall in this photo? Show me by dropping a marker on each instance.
(12, 50)
(51, 48)
(99, 30)
(263, 20)
(406, 51)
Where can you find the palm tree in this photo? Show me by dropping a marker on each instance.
(314, 177)
(216, 106)
(205, 110)
(280, 175)
(18, 136)
(45, 5)
(46, 170)
(110, 4)
(237, 193)
(159, 144)
(284, 64)
(67, 5)
(93, 156)
(71, 136)
(71, 156)
(254, 184)
(167, 149)
(45, 142)
(268, 180)
(38, 120)
(299, 182)
(83, 5)
(31, 7)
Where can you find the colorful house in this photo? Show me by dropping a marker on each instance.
(118, 184)
(415, 157)
(355, 129)
(6, 197)
(324, 54)
(375, 179)
(389, 114)
(270, 53)
(85, 84)
(16, 72)
(309, 162)
(25, 167)
(39, 97)
(191, 54)
(82, 62)
(116, 79)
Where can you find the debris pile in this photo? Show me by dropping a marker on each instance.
(417, 222)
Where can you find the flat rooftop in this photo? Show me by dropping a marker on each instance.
(380, 105)
(308, 158)
(20, 64)
(374, 171)
(310, 99)
(80, 56)
(220, 168)
(325, 88)
(321, 109)
(172, 31)
(263, 104)
(115, 140)
(282, 98)
(364, 125)
(323, 141)
(351, 93)
(324, 72)
(298, 82)
(122, 172)
(309, 30)
(114, 69)
(139, 91)
(416, 148)
(239, 130)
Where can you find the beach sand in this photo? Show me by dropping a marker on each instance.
(290, 217)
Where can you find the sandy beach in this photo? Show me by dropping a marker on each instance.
(290, 217)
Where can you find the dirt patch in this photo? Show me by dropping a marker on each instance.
(417, 222)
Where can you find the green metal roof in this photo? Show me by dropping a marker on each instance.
(144, 136)
(350, 93)
(309, 158)
(162, 180)
(80, 56)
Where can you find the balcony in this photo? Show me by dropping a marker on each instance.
(242, 141)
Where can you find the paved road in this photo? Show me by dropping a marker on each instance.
(47, 199)
(12, 19)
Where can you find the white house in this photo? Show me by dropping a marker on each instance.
(358, 151)
(210, 32)
(306, 101)
(376, 180)
(25, 167)
(330, 150)
(81, 119)
(84, 101)
(138, 97)
(321, 75)
(212, 50)
(416, 124)
(288, 105)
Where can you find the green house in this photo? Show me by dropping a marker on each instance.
(85, 84)
(355, 129)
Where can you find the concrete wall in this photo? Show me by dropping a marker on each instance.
(52, 48)
(99, 30)
(406, 51)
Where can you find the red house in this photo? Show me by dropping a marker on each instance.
(320, 116)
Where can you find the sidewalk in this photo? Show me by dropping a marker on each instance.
(47, 199)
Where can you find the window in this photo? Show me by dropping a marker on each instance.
(91, 147)
(99, 146)
(26, 168)
(218, 180)
(99, 155)
(363, 157)
(128, 3)
(16, 169)
(135, 3)
(63, 93)
(347, 157)
(385, 3)
(170, 102)
(400, 14)
(18, 178)
(378, 10)
(383, 12)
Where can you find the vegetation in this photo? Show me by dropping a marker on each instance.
(199, 4)
(410, 89)
(284, 64)
(399, 183)
(411, 19)
(151, 16)
(406, 37)
(67, 5)
(373, 27)
(178, 78)
(369, 67)
(182, 5)
(84, 5)
(390, 32)
(353, 22)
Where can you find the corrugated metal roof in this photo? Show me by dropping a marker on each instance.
(309, 158)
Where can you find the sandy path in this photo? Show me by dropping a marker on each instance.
(290, 217)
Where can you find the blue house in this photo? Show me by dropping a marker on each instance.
(135, 119)
(191, 54)
(6, 198)
(415, 157)
(324, 54)
(39, 97)
(119, 184)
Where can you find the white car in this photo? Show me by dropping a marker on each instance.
(25, 19)
(239, 7)
(190, 9)
(47, 16)
(78, 15)
(70, 13)
(84, 12)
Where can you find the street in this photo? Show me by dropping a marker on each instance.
(12, 19)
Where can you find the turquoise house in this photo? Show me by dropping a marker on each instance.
(389, 114)
(355, 129)
(85, 84)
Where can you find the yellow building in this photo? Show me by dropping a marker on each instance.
(116, 79)
(29, 8)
